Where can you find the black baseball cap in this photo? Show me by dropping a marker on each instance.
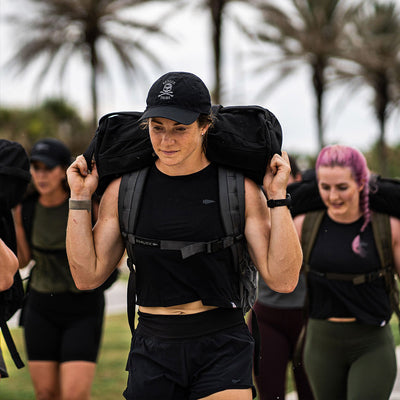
(180, 96)
(51, 152)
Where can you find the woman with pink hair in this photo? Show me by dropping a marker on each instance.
(349, 350)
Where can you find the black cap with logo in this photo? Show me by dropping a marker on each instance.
(180, 96)
(51, 152)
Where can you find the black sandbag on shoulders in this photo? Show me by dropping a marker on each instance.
(120, 145)
(14, 173)
(242, 137)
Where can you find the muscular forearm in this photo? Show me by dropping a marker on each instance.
(94, 254)
(80, 249)
(284, 252)
(8, 266)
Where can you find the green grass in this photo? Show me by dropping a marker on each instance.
(110, 379)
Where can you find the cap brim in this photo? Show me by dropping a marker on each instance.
(179, 115)
(45, 160)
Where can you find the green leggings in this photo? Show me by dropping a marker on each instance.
(349, 360)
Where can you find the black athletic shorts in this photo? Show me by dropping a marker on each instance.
(63, 327)
(189, 357)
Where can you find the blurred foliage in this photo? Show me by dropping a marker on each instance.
(53, 118)
(392, 160)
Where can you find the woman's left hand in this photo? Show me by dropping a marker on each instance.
(277, 176)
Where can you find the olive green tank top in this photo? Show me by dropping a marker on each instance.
(51, 273)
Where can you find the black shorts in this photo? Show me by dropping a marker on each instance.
(189, 357)
(63, 327)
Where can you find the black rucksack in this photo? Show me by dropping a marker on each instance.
(14, 173)
(11, 300)
(14, 178)
(243, 138)
(232, 206)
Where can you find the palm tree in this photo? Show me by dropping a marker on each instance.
(372, 45)
(217, 10)
(62, 28)
(301, 32)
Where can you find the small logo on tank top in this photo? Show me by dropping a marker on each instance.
(206, 201)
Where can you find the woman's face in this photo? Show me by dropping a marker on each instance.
(339, 192)
(47, 180)
(175, 144)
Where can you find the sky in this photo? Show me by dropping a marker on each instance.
(349, 116)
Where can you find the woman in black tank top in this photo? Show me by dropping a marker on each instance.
(191, 341)
(349, 350)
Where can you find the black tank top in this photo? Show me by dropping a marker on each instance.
(183, 208)
(368, 302)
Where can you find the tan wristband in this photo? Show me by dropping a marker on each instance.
(80, 205)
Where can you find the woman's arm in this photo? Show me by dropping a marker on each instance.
(270, 233)
(8, 266)
(23, 249)
(395, 228)
(92, 254)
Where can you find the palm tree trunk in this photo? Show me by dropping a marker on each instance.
(381, 103)
(93, 85)
(216, 8)
(382, 151)
(319, 90)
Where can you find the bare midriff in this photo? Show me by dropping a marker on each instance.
(334, 319)
(180, 309)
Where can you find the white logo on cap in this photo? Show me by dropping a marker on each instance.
(166, 93)
(42, 147)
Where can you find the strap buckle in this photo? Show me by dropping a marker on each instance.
(219, 244)
(359, 279)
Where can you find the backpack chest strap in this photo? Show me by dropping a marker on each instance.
(356, 279)
(186, 248)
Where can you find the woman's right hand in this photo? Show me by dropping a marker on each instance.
(82, 182)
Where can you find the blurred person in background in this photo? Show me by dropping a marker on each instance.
(281, 318)
(14, 179)
(349, 348)
(62, 325)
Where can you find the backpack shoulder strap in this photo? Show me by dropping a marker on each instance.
(309, 231)
(11, 345)
(383, 238)
(27, 213)
(232, 206)
(130, 193)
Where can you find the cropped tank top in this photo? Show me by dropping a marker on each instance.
(183, 208)
(367, 302)
(51, 273)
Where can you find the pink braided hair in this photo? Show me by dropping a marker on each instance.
(345, 156)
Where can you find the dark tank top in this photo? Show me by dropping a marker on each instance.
(183, 208)
(367, 302)
(51, 273)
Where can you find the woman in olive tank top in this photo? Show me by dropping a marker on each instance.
(62, 325)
